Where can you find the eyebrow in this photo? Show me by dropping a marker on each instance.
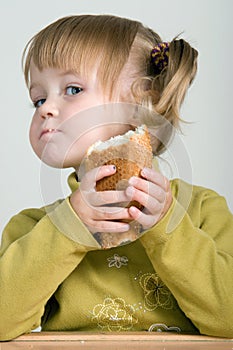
(31, 87)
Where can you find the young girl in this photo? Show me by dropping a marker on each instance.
(53, 272)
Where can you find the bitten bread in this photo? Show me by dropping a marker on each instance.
(130, 153)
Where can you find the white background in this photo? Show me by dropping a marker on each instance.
(208, 140)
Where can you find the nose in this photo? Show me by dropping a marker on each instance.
(49, 109)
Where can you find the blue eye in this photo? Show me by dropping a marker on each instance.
(39, 103)
(73, 90)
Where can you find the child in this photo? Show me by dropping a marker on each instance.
(53, 272)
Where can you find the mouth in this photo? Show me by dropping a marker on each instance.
(48, 132)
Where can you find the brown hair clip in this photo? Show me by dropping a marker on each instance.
(159, 56)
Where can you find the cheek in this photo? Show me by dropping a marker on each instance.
(34, 136)
(32, 131)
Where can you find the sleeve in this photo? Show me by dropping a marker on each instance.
(195, 261)
(38, 252)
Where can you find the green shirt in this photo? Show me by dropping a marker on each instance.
(178, 276)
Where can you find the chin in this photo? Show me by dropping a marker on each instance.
(53, 163)
(55, 157)
(58, 163)
(52, 160)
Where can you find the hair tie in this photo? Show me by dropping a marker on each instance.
(159, 57)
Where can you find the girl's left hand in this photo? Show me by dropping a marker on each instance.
(153, 191)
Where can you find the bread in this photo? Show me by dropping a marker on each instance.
(130, 153)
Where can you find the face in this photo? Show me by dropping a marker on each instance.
(68, 116)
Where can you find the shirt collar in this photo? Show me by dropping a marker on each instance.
(73, 182)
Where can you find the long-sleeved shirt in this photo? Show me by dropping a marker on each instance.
(177, 276)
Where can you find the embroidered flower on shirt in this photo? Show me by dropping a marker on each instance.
(156, 292)
(114, 315)
(117, 261)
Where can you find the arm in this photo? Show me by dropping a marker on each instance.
(40, 248)
(38, 252)
(195, 260)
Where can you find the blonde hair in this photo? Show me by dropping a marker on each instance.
(80, 42)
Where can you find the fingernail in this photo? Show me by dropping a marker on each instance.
(129, 191)
(145, 172)
(111, 168)
(126, 227)
(133, 210)
(132, 180)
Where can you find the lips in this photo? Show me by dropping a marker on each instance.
(49, 132)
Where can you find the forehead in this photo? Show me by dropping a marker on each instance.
(36, 71)
(53, 72)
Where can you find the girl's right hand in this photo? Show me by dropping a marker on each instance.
(99, 210)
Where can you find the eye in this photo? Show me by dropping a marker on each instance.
(73, 90)
(39, 103)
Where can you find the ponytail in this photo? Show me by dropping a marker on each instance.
(165, 72)
(170, 70)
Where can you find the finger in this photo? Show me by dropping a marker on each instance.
(149, 202)
(94, 175)
(107, 197)
(108, 226)
(148, 187)
(156, 178)
(145, 220)
(110, 213)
